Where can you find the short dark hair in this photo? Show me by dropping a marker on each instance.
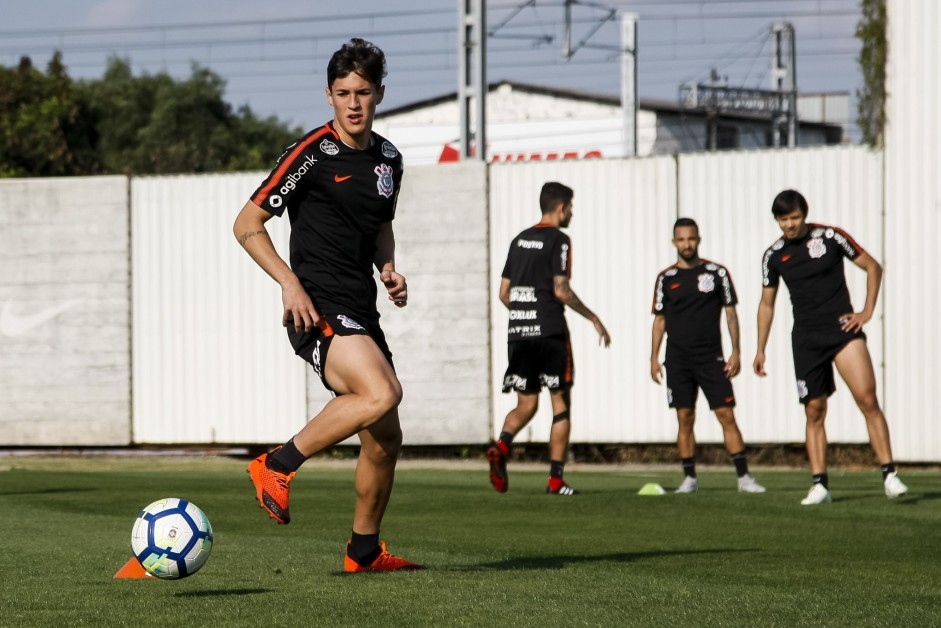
(552, 194)
(685, 222)
(787, 201)
(359, 56)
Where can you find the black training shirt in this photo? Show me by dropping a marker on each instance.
(812, 268)
(536, 256)
(337, 198)
(691, 300)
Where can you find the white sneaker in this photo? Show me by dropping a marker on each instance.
(894, 487)
(818, 494)
(747, 484)
(689, 485)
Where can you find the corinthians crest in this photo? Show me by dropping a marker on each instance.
(707, 283)
(816, 247)
(385, 184)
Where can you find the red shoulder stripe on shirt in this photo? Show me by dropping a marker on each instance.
(286, 163)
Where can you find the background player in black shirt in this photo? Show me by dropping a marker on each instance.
(535, 288)
(339, 184)
(688, 301)
(809, 257)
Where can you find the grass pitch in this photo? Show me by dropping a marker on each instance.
(607, 557)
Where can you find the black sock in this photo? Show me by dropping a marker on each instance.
(364, 548)
(287, 459)
(822, 478)
(556, 468)
(689, 467)
(507, 439)
(887, 469)
(741, 463)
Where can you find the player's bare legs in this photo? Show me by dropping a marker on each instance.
(367, 390)
(561, 430)
(855, 366)
(685, 436)
(734, 442)
(375, 471)
(816, 412)
(520, 416)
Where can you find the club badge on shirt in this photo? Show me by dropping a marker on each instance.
(816, 247)
(385, 183)
(707, 283)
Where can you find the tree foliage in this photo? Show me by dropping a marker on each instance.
(126, 124)
(870, 98)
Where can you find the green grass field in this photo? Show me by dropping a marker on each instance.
(605, 558)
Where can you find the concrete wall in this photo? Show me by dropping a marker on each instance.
(64, 320)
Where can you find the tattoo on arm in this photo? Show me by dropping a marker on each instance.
(250, 234)
(567, 296)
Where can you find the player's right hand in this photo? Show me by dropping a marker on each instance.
(656, 370)
(759, 364)
(298, 308)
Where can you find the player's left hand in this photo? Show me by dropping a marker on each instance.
(733, 366)
(395, 286)
(853, 321)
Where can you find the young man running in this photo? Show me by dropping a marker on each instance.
(689, 298)
(827, 331)
(535, 288)
(339, 185)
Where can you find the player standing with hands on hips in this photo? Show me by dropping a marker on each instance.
(535, 289)
(689, 298)
(809, 258)
(339, 185)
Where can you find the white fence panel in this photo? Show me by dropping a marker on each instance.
(913, 224)
(212, 363)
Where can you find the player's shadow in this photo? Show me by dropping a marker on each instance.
(222, 592)
(46, 491)
(560, 562)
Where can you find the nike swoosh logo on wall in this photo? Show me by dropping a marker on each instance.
(12, 325)
(340, 179)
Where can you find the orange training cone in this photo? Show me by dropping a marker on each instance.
(132, 569)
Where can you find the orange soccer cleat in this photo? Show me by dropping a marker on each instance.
(384, 562)
(272, 489)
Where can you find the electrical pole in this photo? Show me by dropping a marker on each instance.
(784, 80)
(629, 82)
(472, 91)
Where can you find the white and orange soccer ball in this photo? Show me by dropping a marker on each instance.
(171, 538)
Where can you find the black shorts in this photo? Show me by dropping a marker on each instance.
(684, 379)
(814, 350)
(539, 362)
(313, 346)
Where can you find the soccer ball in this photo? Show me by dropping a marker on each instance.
(171, 538)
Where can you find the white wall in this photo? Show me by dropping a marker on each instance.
(913, 227)
(64, 312)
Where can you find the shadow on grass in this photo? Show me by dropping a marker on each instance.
(560, 562)
(47, 491)
(909, 499)
(222, 592)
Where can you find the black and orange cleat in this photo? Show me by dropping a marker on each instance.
(384, 562)
(497, 457)
(272, 489)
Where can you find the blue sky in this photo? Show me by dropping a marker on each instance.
(273, 54)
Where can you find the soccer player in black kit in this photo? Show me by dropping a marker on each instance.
(535, 289)
(689, 298)
(827, 331)
(339, 185)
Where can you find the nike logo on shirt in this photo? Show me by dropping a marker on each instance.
(12, 325)
(784, 258)
(340, 179)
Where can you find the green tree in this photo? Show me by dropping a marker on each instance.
(45, 124)
(870, 98)
(122, 124)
